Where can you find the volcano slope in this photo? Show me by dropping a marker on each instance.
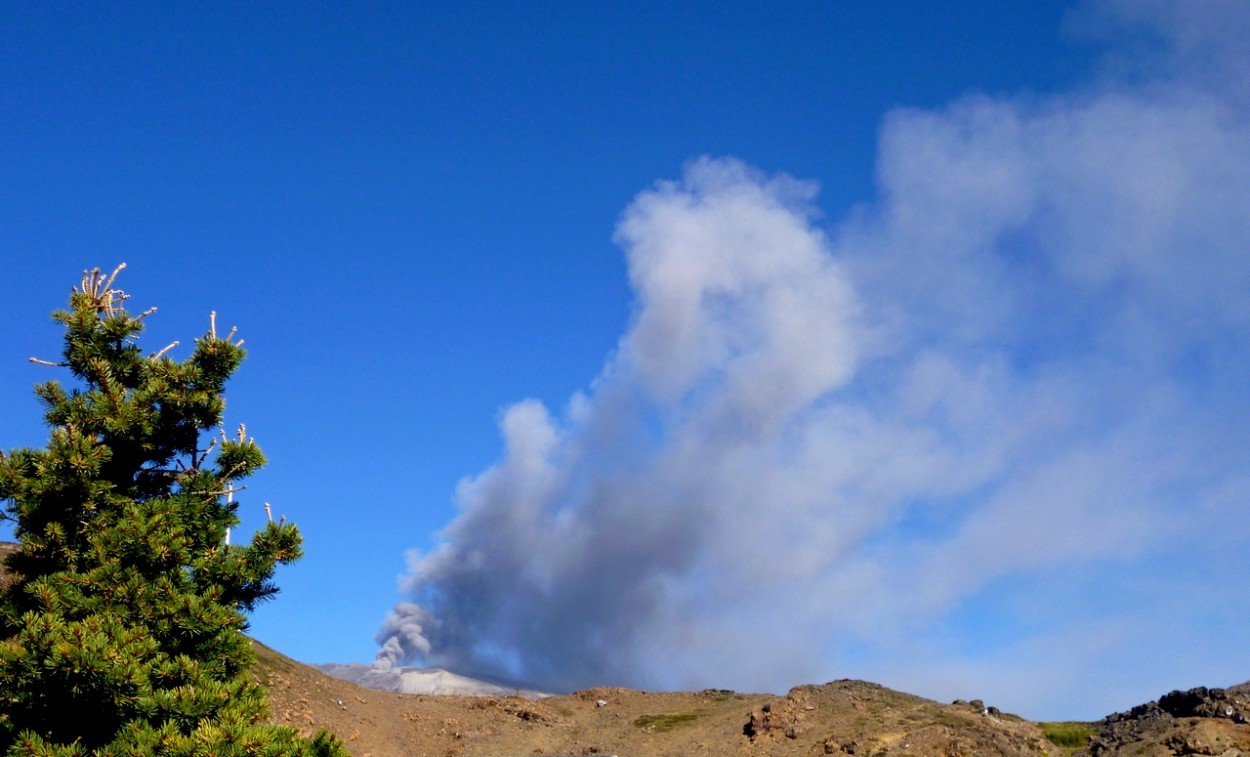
(843, 717)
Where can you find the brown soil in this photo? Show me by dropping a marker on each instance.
(840, 718)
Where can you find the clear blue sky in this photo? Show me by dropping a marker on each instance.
(968, 420)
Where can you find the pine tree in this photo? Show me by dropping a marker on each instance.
(123, 632)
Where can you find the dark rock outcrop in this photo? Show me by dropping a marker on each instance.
(1198, 721)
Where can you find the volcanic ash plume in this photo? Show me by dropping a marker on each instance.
(955, 436)
(602, 527)
(402, 636)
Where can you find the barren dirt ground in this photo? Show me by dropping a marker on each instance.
(845, 717)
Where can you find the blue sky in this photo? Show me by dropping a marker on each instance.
(676, 345)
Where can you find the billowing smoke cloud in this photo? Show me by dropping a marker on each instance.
(987, 434)
(403, 636)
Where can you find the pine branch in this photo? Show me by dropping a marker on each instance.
(196, 462)
(108, 285)
(104, 297)
(37, 361)
(212, 330)
(163, 350)
(219, 492)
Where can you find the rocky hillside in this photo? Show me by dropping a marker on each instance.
(1199, 721)
(839, 718)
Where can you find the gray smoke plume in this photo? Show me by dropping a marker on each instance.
(568, 549)
(402, 636)
(951, 437)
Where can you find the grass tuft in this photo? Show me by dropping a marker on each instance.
(1070, 735)
(662, 723)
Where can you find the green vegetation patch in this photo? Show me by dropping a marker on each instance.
(720, 695)
(1067, 734)
(661, 723)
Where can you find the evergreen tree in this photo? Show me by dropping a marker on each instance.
(123, 632)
